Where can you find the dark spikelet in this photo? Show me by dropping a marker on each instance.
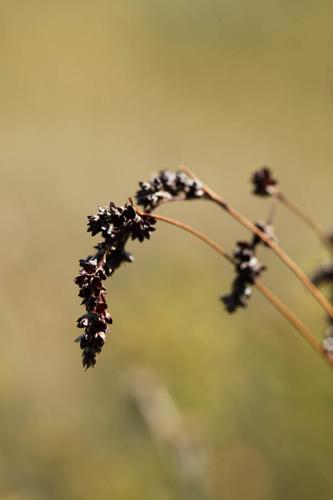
(268, 230)
(116, 225)
(263, 182)
(168, 186)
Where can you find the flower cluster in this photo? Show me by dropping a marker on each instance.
(248, 269)
(116, 225)
(168, 186)
(263, 182)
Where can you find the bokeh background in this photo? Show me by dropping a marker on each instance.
(185, 401)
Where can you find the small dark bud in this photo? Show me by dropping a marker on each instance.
(83, 321)
(263, 182)
(89, 265)
(268, 230)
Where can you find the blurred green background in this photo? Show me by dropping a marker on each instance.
(96, 96)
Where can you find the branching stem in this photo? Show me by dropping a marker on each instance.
(299, 212)
(270, 296)
(213, 196)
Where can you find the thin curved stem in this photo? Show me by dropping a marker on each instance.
(198, 234)
(297, 324)
(270, 296)
(299, 212)
(272, 211)
(211, 195)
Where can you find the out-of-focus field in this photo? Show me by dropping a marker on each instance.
(94, 97)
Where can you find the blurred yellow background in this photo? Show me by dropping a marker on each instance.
(96, 96)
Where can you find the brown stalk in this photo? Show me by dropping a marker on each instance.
(270, 296)
(211, 195)
(299, 212)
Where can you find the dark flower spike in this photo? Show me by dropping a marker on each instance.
(117, 225)
(248, 269)
(263, 182)
(168, 186)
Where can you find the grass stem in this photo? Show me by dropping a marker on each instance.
(244, 221)
(268, 294)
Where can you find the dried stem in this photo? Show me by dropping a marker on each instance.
(272, 211)
(189, 229)
(297, 324)
(211, 195)
(272, 298)
(299, 212)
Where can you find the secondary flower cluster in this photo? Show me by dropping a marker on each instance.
(247, 268)
(116, 225)
(168, 186)
(263, 182)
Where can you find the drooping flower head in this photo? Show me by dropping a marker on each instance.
(116, 225)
